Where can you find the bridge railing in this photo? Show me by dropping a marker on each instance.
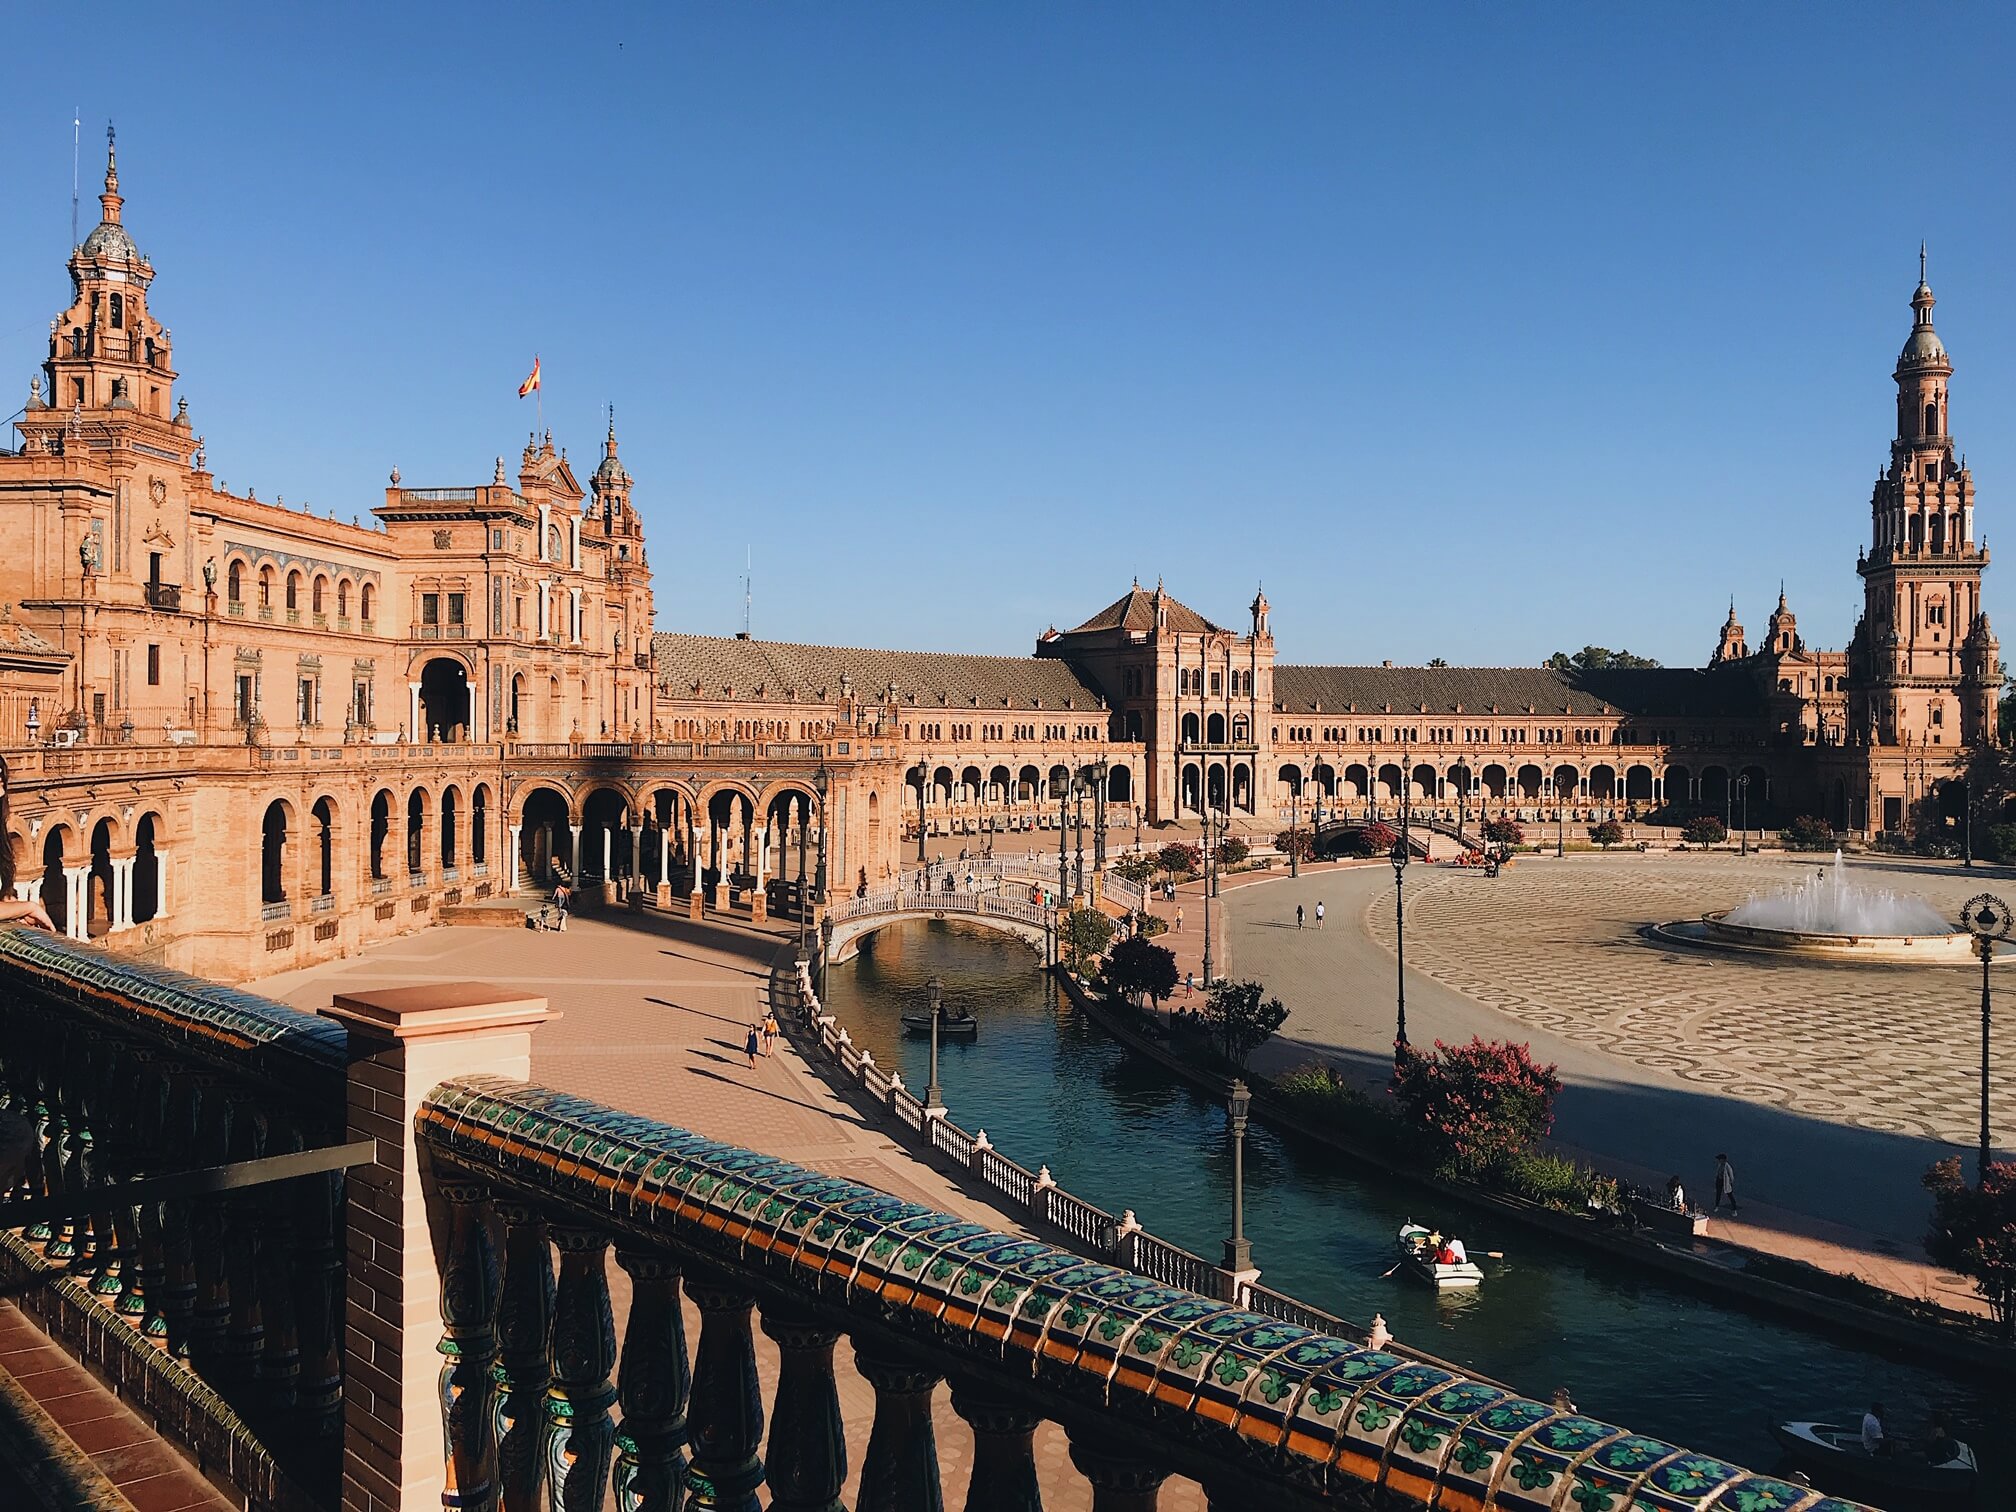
(898, 901)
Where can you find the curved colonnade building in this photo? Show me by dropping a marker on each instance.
(242, 736)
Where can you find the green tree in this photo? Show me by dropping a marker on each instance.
(1504, 830)
(1232, 850)
(1807, 833)
(1135, 868)
(1242, 1018)
(1084, 933)
(1974, 1232)
(1597, 659)
(1607, 834)
(1138, 966)
(1179, 859)
(1298, 843)
(1704, 829)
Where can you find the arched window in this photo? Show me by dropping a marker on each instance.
(315, 594)
(118, 312)
(234, 583)
(293, 590)
(364, 597)
(1931, 409)
(343, 599)
(265, 587)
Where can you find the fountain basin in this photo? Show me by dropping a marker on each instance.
(1714, 930)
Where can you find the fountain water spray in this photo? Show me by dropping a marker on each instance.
(1826, 902)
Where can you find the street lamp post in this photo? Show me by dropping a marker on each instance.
(819, 785)
(1743, 796)
(1294, 838)
(1063, 852)
(804, 824)
(923, 776)
(1400, 859)
(1238, 1249)
(1078, 826)
(1987, 919)
(1560, 830)
(1967, 822)
(933, 1097)
(1099, 774)
(1210, 884)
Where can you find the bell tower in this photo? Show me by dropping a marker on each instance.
(1921, 576)
(106, 352)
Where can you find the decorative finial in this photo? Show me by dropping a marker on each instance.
(612, 425)
(395, 472)
(1921, 262)
(498, 477)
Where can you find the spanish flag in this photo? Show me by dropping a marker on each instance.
(531, 380)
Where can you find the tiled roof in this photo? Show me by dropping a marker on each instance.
(24, 639)
(1643, 692)
(1135, 610)
(931, 678)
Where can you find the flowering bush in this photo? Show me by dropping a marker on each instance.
(1974, 1232)
(1607, 834)
(1504, 831)
(1476, 1106)
(1232, 850)
(1298, 843)
(1807, 833)
(1705, 829)
(1180, 859)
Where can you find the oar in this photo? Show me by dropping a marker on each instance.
(1391, 1268)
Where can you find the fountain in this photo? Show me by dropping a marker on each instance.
(1824, 915)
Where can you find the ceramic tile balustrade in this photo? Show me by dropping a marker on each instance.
(1261, 1411)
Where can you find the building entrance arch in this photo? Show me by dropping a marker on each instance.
(545, 838)
(444, 700)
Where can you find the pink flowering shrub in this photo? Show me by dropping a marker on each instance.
(1974, 1232)
(1477, 1106)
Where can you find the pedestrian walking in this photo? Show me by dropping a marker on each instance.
(1189, 983)
(1319, 913)
(1179, 921)
(1298, 915)
(562, 896)
(770, 1032)
(751, 1045)
(1725, 1187)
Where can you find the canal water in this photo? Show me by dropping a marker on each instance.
(1050, 1088)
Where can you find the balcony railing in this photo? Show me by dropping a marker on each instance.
(167, 597)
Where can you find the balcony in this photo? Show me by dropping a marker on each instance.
(166, 597)
(442, 632)
(235, 608)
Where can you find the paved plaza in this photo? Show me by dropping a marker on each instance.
(653, 1011)
(1831, 1087)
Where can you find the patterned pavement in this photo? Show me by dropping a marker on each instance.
(1558, 947)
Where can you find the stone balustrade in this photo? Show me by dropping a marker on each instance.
(483, 1366)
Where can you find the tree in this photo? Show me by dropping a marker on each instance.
(1597, 659)
(1974, 1232)
(1476, 1105)
(1241, 1019)
(1436, 661)
(1232, 850)
(1135, 868)
(1138, 965)
(1180, 859)
(1298, 843)
(1704, 829)
(1504, 830)
(1084, 934)
(1807, 833)
(1373, 840)
(1607, 834)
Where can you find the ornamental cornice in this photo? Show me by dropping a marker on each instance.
(296, 559)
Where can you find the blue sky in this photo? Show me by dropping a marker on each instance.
(1472, 331)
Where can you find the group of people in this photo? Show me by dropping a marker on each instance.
(1940, 1445)
(1319, 914)
(761, 1038)
(1725, 1190)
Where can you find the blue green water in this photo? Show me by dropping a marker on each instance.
(1051, 1088)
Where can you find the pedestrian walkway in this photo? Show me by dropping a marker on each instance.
(653, 1013)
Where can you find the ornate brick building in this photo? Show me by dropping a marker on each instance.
(368, 723)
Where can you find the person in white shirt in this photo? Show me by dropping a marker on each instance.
(1456, 1248)
(1872, 1429)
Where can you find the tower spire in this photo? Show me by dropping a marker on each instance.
(110, 199)
(1921, 262)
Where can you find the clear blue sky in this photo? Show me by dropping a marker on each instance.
(1473, 331)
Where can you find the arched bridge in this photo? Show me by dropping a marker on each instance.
(852, 920)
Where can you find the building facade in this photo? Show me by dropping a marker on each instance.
(242, 735)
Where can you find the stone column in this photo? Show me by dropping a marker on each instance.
(160, 883)
(1004, 1461)
(517, 840)
(665, 863)
(77, 885)
(697, 905)
(573, 855)
(122, 893)
(758, 901)
(403, 1043)
(413, 731)
(608, 863)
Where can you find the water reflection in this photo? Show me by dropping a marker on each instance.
(1051, 1089)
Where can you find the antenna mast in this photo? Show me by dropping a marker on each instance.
(76, 143)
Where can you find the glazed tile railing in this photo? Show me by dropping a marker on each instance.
(218, 1314)
(1147, 1379)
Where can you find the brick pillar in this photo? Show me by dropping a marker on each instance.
(403, 1043)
